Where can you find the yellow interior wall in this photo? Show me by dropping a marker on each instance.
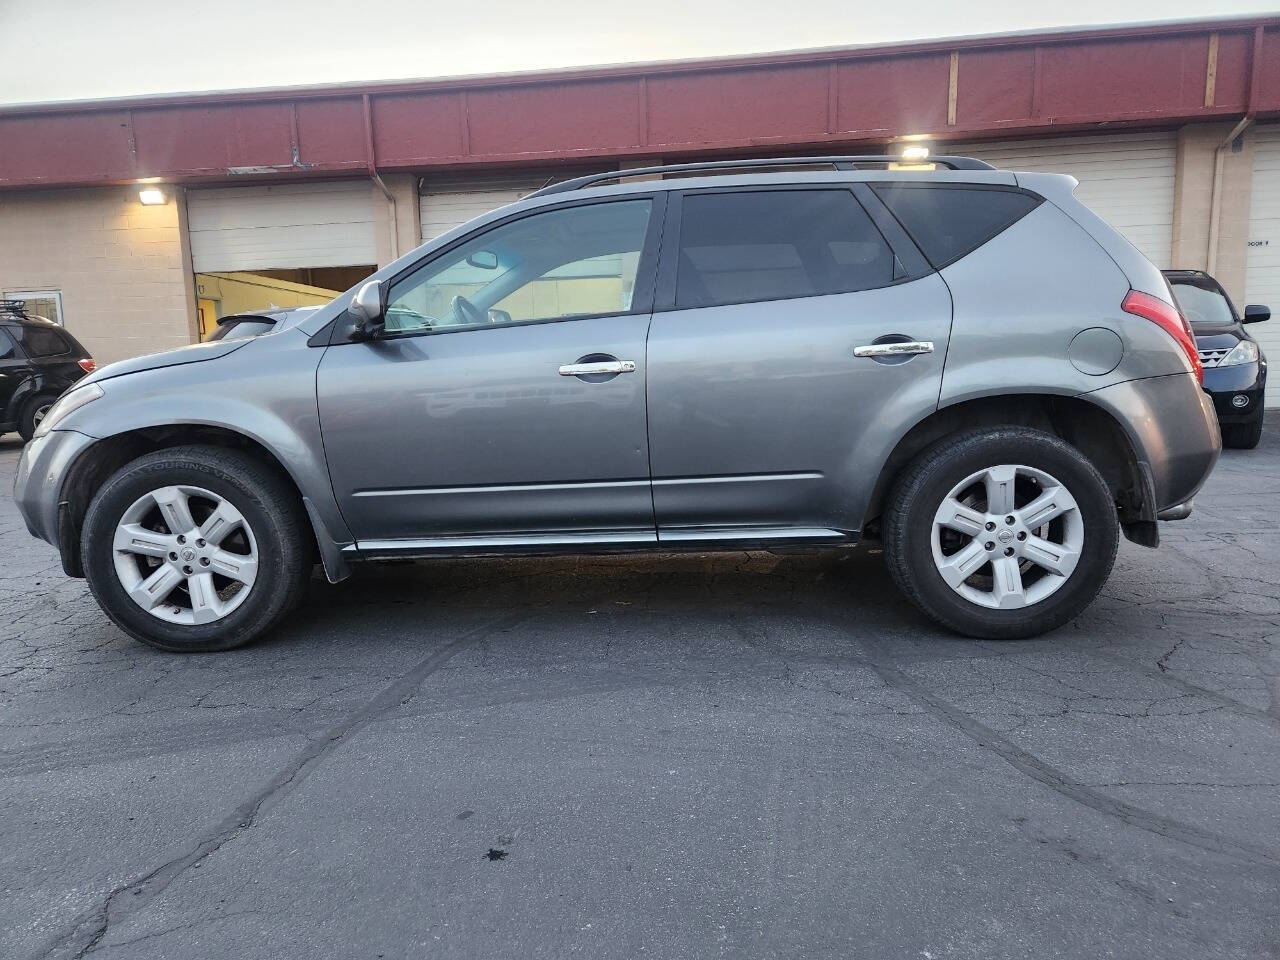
(247, 292)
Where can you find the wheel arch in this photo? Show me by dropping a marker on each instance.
(108, 454)
(1088, 427)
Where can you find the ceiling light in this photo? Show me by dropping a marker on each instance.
(151, 196)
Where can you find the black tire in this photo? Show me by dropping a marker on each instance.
(920, 489)
(270, 507)
(30, 409)
(1242, 436)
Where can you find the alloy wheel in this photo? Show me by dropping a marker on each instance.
(1007, 537)
(185, 554)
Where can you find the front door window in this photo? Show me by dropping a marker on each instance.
(572, 262)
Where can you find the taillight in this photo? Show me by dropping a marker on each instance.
(88, 364)
(1168, 317)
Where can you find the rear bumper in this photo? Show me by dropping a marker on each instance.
(1173, 427)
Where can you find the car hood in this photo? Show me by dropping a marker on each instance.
(1216, 336)
(195, 353)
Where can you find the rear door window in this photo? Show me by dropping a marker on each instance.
(7, 348)
(950, 221)
(44, 342)
(745, 246)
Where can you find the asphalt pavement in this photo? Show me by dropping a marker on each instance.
(682, 756)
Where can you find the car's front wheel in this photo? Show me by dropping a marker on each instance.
(1001, 533)
(196, 548)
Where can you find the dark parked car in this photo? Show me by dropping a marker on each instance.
(38, 360)
(1235, 369)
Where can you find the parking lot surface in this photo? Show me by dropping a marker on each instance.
(680, 756)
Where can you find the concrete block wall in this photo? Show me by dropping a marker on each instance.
(121, 267)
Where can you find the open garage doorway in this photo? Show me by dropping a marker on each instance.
(269, 247)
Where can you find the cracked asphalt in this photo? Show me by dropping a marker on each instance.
(679, 756)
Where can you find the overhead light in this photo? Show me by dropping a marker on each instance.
(915, 153)
(151, 196)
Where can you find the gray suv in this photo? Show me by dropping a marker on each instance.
(963, 363)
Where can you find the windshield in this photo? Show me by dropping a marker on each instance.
(1202, 307)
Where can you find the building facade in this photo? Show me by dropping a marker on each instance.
(287, 197)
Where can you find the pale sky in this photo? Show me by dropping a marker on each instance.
(86, 49)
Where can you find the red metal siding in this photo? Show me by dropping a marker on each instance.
(1150, 76)
(553, 120)
(176, 140)
(68, 148)
(1231, 86)
(333, 129)
(1269, 81)
(412, 127)
(893, 95)
(737, 106)
(995, 87)
(1125, 78)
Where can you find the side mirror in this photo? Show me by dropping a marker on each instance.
(1256, 313)
(368, 310)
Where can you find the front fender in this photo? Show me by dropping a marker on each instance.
(266, 395)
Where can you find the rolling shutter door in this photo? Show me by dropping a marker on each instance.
(283, 226)
(446, 203)
(1127, 179)
(1262, 277)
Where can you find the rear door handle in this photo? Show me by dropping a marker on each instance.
(909, 348)
(604, 366)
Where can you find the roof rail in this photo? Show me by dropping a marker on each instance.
(853, 162)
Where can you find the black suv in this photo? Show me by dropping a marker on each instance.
(1235, 370)
(38, 360)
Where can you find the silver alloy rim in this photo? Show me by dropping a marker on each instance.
(185, 554)
(1007, 537)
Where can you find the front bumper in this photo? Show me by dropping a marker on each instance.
(1224, 384)
(41, 476)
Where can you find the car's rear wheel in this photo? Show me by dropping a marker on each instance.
(1001, 533)
(196, 548)
(33, 412)
(1242, 436)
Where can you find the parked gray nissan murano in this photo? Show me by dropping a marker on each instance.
(964, 363)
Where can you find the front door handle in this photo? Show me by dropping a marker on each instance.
(604, 366)
(909, 348)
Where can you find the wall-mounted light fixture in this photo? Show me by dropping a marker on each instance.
(151, 196)
(915, 153)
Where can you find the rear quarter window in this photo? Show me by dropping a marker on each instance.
(44, 342)
(948, 221)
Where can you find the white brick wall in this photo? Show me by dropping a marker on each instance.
(125, 288)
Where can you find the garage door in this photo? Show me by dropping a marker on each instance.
(1262, 279)
(287, 226)
(1127, 179)
(447, 202)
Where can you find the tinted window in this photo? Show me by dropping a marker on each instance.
(7, 349)
(948, 222)
(1201, 305)
(775, 245)
(572, 262)
(44, 342)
